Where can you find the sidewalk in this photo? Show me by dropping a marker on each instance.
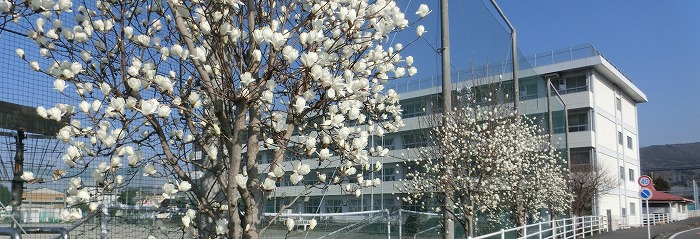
(657, 232)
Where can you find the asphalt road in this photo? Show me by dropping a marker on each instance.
(687, 234)
(664, 231)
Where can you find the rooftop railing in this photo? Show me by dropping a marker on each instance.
(499, 68)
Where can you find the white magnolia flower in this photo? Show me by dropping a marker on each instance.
(312, 224)
(149, 107)
(299, 104)
(93, 206)
(269, 184)
(186, 221)
(59, 85)
(423, 11)
(149, 170)
(19, 52)
(309, 59)
(247, 78)
(76, 182)
(164, 111)
(241, 180)
(6, 6)
(27, 176)
(128, 32)
(41, 111)
(420, 30)
(184, 186)
(34, 65)
(84, 106)
(290, 54)
(221, 226)
(290, 224)
(169, 190)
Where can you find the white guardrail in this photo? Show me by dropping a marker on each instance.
(563, 228)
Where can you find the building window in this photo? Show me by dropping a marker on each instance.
(334, 206)
(354, 205)
(633, 209)
(571, 84)
(528, 91)
(631, 175)
(629, 142)
(412, 109)
(580, 159)
(619, 137)
(624, 212)
(414, 139)
(622, 172)
(578, 120)
(618, 103)
(311, 206)
(386, 142)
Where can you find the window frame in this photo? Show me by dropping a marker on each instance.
(629, 142)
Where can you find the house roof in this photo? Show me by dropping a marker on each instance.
(659, 196)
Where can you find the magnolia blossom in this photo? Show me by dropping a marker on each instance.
(27, 176)
(423, 11)
(420, 30)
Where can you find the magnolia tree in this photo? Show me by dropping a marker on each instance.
(490, 163)
(193, 91)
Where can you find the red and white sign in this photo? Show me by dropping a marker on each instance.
(644, 181)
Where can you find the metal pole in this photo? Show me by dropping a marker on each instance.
(400, 224)
(549, 108)
(17, 181)
(103, 221)
(516, 84)
(695, 195)
(448, 221)
(648, 224)
(514, 41)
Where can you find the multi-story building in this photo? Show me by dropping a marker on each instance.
(602, 128)
(602, 123)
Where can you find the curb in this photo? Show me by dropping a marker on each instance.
(666, 235)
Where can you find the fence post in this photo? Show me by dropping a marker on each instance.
(388, 224)
(503, 234)
(400, 224)
(103, 221)
(573, 224)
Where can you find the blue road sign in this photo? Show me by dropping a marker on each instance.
(645, 193)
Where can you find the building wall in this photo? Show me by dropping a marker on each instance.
(616, 142)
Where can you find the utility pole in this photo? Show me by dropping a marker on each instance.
(447, 217)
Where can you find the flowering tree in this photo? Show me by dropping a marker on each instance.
(490, 163)
(193, 91)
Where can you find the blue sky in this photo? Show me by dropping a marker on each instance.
(654, 43)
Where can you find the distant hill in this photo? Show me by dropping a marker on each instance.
(670, 155)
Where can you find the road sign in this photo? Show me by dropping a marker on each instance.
(645, 193)
(644, 181)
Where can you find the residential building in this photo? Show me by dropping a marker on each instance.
(601, 105)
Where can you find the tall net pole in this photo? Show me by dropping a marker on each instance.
(17, 181)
